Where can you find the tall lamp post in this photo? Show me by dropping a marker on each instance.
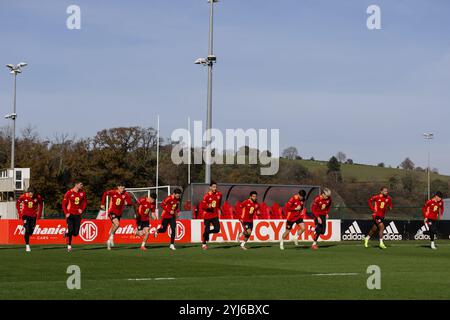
(209, 61)
(14, 70)
(428, 136)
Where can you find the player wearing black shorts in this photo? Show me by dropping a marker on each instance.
(321, 207)
(379, 204)
(29, 207)
(296, 211)
(250, 207)
(432, 213)
(171, 208)
(210, 210)
(146, 207)
(73, 205)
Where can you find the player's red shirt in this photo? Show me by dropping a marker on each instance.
(295, 208)
(249, 209)
(74, 201)
(321, 206)
(146, 207)
(29, 206)
(213, 199)
(117, 201)
(379, 205)
(432, 209)
(170, 204)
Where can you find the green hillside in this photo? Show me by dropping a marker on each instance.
(367, 173)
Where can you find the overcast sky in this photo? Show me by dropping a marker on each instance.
(310, 68)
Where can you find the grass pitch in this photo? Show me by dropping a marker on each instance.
(409, 270)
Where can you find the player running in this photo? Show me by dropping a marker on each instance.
(320, 208)
(432, 212)
(171, 208)
(146, 207)
(295, 215)
(210, 207)
(250, 207)
(73, 205)
(29, 207)
(118, 199)
(379, 204)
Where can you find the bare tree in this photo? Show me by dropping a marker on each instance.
(341, 156)
(407, 164)
(290, 153)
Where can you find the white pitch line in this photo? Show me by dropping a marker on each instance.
(335, 274)
(148, 279)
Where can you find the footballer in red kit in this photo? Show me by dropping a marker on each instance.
(29, 208)
(210, 207)
(379, 204)
(73, 205)
(320, 208)
(250, 208)
(296, 212)
(146, 207)
(432, 212)
(118, 199)
(170, 207)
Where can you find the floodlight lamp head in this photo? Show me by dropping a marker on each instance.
(200, 61)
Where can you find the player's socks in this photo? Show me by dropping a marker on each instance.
(69, 248)
(204, 246)
(172, 247)
(111, 240)
(27, 248)
(143, 248)
(296, 239)
(366, 241)
(143, 244)
(282, 244)
(433, 245)
(108, 244)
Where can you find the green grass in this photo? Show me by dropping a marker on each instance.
(409, 270)
(366, 173)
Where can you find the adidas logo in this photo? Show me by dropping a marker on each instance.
(419, 234)
(353, 232)
(391, 232)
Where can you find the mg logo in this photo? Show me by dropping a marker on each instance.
(179, 231)
(88, 231)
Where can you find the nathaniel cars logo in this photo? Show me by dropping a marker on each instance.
(179, 231)
(353, 232)
(88, 231)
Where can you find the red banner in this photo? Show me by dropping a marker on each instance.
(91, 232)
(265, 231)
